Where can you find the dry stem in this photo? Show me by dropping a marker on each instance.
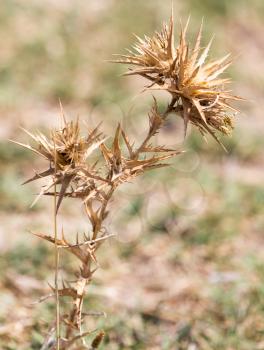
(56, 260)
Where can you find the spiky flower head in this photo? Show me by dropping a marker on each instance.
(196, 87)
(67, 151)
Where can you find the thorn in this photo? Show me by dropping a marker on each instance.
(86, 237)
(63, 237)
(62, 112)
(51, 287)
(95, 269)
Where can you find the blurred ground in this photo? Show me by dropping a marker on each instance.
(187, 268)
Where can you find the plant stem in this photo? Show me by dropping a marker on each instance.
(164, 115)
(57, 256)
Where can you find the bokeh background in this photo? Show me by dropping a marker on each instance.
(186, 270)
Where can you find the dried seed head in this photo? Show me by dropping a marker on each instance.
(196, 86)
(67, 152)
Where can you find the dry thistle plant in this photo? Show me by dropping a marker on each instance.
(197, 95)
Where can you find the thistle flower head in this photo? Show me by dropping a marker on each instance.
(71, 148)
(196, 85)
(67, 152)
